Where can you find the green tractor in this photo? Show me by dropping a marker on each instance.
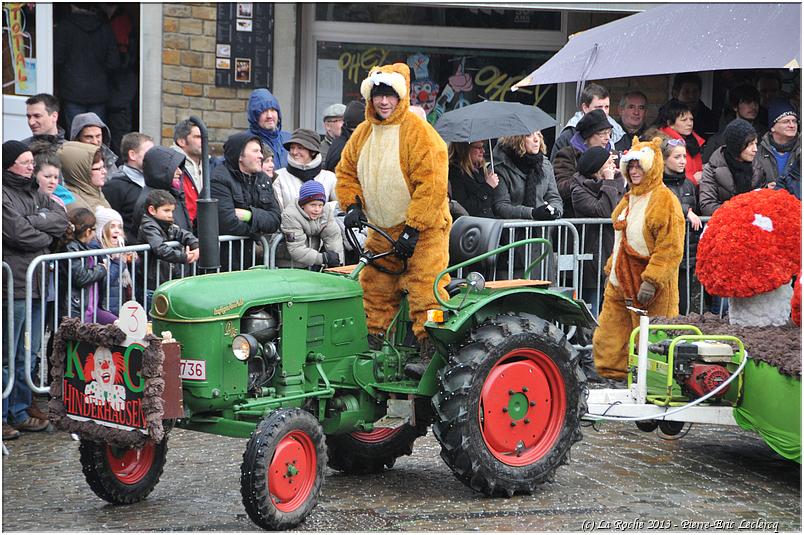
(281, 357)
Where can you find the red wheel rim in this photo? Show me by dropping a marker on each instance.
(379, 434)
(522, 407)
(130, 465)
(292, 471)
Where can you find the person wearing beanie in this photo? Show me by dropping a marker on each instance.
(312, 234)
(31, 223)
(333, 123)
(304, 164)
(643, 267)
(246, 202)
(354, 114)
(675, 120)
(593, 130)
(733, 168)
(780, 147)
(109, 234)
(393, 173)
(597, 187)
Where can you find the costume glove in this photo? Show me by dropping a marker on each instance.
(331, 259)
(544, 212)
(355, 218)
(407, 242)
(646, 293)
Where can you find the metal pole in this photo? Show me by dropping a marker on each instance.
(207, 208)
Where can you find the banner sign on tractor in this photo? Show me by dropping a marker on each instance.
(104, 384)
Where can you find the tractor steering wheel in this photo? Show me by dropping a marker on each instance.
(371, 257)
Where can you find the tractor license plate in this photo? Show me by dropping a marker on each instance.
(193, 370)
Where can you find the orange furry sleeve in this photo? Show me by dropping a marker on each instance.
(665, 223)
(428, 169)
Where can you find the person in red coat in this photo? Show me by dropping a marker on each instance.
(675, 120)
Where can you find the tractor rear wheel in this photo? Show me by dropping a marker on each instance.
(509, 405)
(122, 475)
(371, 452)
(283, 469)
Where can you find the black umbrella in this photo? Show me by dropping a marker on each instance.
(490, 120)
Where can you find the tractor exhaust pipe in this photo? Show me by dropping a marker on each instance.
(207, 209)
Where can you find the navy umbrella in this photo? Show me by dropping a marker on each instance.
(490, 120)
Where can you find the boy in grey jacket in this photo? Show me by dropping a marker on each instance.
(308, 228)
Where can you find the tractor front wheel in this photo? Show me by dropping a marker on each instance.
(122, 475)
(371, 452)
(283, 469)
(509, 405)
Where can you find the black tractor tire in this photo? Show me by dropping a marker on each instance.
(371, 453)
(283, 469)
(509, 405)
(122, 476)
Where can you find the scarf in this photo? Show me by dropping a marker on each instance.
(782, 148)
(304, 171)
(742, 173)
(670, 177)
(531, 166)
(693, 149)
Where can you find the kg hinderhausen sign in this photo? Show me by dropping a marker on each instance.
(105, 385)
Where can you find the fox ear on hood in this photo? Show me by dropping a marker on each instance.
(657, 143)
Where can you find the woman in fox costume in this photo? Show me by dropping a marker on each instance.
(643, 269)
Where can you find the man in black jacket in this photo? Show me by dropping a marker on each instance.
(246, 202)
(31, 221)
(123, 188)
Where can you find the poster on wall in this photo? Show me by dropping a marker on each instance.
(442, 79)
(244, 45)
(19, 48)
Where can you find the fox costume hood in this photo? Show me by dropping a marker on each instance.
(396, 169)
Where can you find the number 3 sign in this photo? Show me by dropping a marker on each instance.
(133, 322)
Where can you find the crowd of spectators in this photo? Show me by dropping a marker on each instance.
(83, 190)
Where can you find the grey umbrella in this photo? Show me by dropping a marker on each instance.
(490, 120)
(677, 38)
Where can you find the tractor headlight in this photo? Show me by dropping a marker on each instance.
(244, 346)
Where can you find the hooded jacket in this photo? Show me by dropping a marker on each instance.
(85, 51)
(306, 238)
(31, 221)
(259, 101)
(717, 183)
(158, 167)
(81, 121)
(122, 191)
(76, 168)
(236, 189)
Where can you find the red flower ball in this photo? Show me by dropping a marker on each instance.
(795, 303)
(751, 245)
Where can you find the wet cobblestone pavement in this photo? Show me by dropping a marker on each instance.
(618, 475)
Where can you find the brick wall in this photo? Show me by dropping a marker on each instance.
(188, 76)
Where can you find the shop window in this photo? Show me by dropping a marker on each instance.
(455, 17)
(19, 49)
(442, 79)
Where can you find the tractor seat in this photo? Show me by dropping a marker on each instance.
(455, 285)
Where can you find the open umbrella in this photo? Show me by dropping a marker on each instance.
(705, 37)
(490, 120)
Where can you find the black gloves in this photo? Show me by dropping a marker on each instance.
(646, 293)
(544, 212)
(407, 242)
(331, 259)
(355, 218)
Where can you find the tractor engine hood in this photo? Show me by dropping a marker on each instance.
(220, 296)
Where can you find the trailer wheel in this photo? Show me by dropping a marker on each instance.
(283, 469)
(122, 475)
(509, 405)
(371, 452)
(648, 426)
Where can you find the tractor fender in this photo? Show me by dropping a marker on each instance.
(546, 304)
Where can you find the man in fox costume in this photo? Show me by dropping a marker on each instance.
(643, 268)
(393, 173)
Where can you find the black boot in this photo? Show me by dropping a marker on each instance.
(416, 367)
